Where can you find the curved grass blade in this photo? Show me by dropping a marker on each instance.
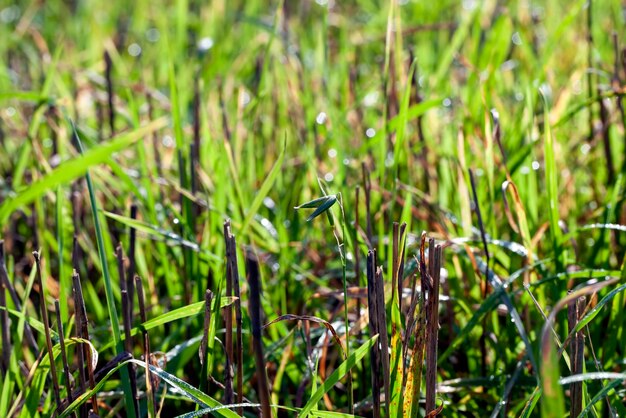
(56, 350)
(204, 411)
(321, 414)
(184, 312)
(339, 372)
(32, 393)
(596, 310)
(193, 394)
(157, 231)
(314, 414)
(614, 227)
(601, 394)
(75, 168)
(33, 322)
(592, 376)
(329, 414)
(531, 403)
(326, 324)
(552, 403)
(175, 315)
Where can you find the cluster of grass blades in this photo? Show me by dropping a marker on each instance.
(216, 209)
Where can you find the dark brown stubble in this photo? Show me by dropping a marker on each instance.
(254, 306)
(146, 341)
(46, 325)
(372, 303)
(228, 321)
(577, 354)
(432, 327)
(66, 367)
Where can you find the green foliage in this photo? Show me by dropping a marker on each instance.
(242, 110)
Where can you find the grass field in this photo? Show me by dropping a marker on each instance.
(312, 208)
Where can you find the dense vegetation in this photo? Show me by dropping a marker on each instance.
(237, 191)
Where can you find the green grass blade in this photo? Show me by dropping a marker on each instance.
(339, 372)
(323, 208)
(64, 280)
(187, 390)
(552, 186)
(396, 378)
(205, 411)
(184, 312)
(175, 315)
(460, 34)
(74, 169)
(8, 385)
(531, 403)
(264, 190)
(33, 322)
(315, 203)
(602, 393)
(552, 400)
(596, 310)
(157, 231)
(399, 154)
(108, 285)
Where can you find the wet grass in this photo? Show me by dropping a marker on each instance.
(320, 209)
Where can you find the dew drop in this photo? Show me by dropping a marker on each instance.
(10, 14)
(168, 141)
(370, 99)
(205, 44)
(134, 50)
(269, 203)
(245, 98)
(152, 35)
(585, 148)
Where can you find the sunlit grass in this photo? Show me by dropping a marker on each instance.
(496, 128)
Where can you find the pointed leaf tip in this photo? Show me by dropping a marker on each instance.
(313, 203)
(322, 208)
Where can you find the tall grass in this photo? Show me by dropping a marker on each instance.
(469, 260)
